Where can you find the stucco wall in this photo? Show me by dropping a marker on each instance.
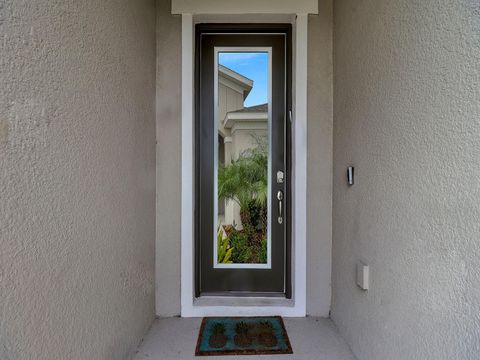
(169, 159)
(319, 160)
(407, 116)
(77, 169)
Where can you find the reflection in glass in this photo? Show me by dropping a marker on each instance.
(243, 158)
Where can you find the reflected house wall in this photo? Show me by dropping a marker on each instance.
(238, 127)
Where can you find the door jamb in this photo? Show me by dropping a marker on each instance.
(296, 306)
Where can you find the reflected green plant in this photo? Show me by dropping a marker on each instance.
(263, 251)
(245, 180)
(224, 250)
(243, 252)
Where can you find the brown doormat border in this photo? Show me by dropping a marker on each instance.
(240, 351)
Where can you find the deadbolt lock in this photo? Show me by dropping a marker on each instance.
(280, 177)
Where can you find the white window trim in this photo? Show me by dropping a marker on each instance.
(296, 307)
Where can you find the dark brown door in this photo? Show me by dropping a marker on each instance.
(242, 160)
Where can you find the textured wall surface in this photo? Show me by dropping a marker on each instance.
(77, 177)
(319, 161)
(407, 116)
(169, 159)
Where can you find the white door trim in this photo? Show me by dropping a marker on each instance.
(188, 173)
(297, 305)
(244, 6)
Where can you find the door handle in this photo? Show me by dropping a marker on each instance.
(280, 202)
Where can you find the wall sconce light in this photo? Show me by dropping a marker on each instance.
(350, 180)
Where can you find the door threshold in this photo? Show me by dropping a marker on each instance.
(242, 306)
(243, 294)
(250, 301)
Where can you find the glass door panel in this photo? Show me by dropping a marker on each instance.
(242, 158)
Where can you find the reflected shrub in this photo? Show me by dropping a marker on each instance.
(224, 248)
(242, 252)
(263, 251)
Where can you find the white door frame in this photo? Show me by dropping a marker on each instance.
(222, 306)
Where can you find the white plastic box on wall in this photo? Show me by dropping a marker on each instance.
(362, 276)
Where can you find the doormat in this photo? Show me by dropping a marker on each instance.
(243, 336)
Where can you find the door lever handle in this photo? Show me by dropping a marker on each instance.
(280, 201)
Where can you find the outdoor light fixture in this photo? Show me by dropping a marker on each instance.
(350, 175)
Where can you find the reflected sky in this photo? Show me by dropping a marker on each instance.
(253, 65)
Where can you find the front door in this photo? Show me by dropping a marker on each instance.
(242, 163)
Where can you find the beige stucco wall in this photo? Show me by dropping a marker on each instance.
(169, 160)
(319, 162)
(407, 116)
(77, 165)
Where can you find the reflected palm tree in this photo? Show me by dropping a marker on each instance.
(245, 181)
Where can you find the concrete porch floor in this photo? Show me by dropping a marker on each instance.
(311, 338)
